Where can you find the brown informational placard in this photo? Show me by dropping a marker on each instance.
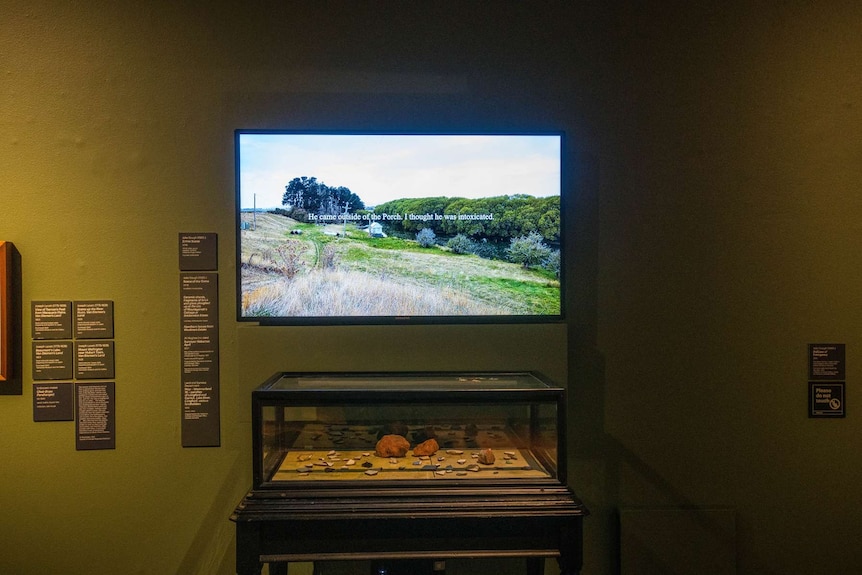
(95, 416)
(52, 360)
(53, 402)
(94, 360)
(51, 319)
(94, 319)
(200, 359)
(198, 252)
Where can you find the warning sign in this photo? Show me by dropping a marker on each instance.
(826, 399)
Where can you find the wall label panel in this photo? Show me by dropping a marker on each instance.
(53, 402)
(200, 359)
(826, 361)
(95, 416)
(198, 252)
(94, 319)
(94, 360)
(827, 370)
(52, 360)
(51, 319)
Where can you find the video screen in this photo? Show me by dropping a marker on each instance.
(402, 228)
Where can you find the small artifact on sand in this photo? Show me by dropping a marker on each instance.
(486, 457)
(392, 446)
(427, 447)
(372, 472)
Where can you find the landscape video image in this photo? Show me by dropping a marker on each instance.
(398, 226)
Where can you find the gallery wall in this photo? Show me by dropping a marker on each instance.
(714, 168)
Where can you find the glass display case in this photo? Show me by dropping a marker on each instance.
(321, 430)
(407, 470)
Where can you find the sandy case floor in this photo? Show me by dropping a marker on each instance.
(327, 453)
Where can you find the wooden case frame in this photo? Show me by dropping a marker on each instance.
(5, 311)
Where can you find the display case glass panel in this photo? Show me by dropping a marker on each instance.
(322, 429)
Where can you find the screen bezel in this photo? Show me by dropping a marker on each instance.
(564, 242)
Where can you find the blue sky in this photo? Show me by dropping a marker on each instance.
(379, 168)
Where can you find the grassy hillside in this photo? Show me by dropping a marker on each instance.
(333, 270)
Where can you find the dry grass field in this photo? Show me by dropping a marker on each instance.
(317, 273)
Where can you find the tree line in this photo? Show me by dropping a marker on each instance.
(513, 216)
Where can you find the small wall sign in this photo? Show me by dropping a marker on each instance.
(51, 319)
(826, 361)
(826, 399)
(53, 402)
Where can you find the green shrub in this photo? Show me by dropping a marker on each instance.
(552, 263)
(461, 244)
(529, 250)
(426, 237)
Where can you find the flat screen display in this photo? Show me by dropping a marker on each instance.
(353, 228)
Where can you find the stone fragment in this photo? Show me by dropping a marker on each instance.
(486, 457)
(427, 447)
(392, 446)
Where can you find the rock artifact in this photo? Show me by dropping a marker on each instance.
(392, 446)
(427, 447)
(486, 457)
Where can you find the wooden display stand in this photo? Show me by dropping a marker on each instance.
(392, 527)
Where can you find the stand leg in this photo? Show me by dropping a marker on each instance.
(571, 557)
(247, 549)
(535, 566)
(278, 568)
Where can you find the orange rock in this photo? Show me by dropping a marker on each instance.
(392, 446)
(486, 457)
(427, 447)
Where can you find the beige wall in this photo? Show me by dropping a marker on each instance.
(716, 165)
